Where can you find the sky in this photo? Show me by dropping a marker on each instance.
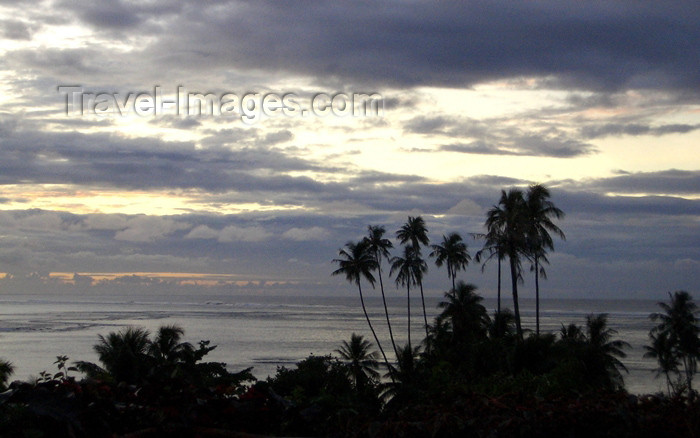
(109, 183)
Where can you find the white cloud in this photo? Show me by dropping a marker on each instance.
(466, 207)
(148, 229)
(231, 233)
(302, 234)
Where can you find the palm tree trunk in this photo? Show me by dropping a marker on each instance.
(516, 307)
(537, 297)
(425, 315)
(376, 339)
(498, 306)
(386, 309)
(452, 274)
(408, 300)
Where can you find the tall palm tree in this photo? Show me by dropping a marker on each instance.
(361, 361)
(408, 270)
(415, 232)
(508, 221)
(355, 263)
(452, 252)
(605, 351)
(379, 247)
(462, 306)
(679, 322)
(539, 214)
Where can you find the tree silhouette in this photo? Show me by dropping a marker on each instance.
(379, 247)
(507, 220)
(463, 308)
(662, 349)
(679, 323)
(123, 354)
(539, 213)
(603, 352)
(408, 269)
(415, 232)
(361, 361)
(453, 253)
(356, 262)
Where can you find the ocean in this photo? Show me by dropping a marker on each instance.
(265, 332)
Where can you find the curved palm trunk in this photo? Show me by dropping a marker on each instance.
(376, 339)
(516, 307)
(386, 310)
(452, 274)
(425, 315)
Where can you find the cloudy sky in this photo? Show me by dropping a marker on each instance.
(599, 101)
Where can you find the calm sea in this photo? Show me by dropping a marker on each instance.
(264, 332)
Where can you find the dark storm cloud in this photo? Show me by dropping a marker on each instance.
(609, 45)
(594, 46)
(112, 160)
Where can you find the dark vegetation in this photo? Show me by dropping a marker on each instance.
(473, 374)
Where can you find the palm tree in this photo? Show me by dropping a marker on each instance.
(379, 247)
(539, 213)
(493, 245)
(415, 232)
(462, 306)
(452, 252)
(362, 363)
(409, 270)
(124, 355)
(679, 322)
(662, 349)
(167, 349)
(507, 220)
(403, 388)
(604, 352)
(355, 263)
(6, 370)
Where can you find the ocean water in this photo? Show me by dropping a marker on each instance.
(264, 332)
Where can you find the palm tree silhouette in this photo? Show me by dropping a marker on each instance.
(409, 269)
(605, 351)
(379, 247)
(6, 370)
(679, 322)
(123, 354)
(166, 349)
(539, 213)
(415, 232)
(662, 349)
(361, 361)
(507, 221)
(452, 252)
(462, 306)
(355, 263)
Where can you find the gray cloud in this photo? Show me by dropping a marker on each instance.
(634, 129)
